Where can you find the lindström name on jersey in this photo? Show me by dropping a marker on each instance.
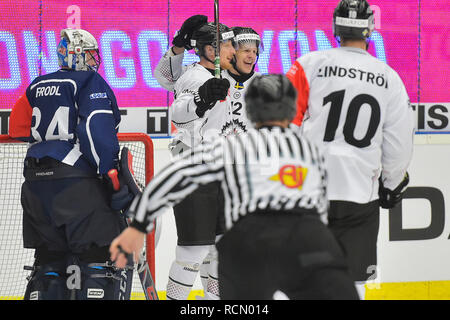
(378, 79)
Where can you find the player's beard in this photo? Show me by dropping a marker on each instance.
(225, 64)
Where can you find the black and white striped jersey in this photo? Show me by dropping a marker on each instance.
(267, 169)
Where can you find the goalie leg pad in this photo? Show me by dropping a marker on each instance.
(102, 281)
(47, 282)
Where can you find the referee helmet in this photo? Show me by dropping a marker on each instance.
(270, 97)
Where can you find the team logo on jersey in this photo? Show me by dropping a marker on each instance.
(234, 127)
(239, 85)
(291, 176)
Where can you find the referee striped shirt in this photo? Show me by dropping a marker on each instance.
(270, 169)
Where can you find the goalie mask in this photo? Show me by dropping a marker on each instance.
(270, 97)
(353, 19)
(78, 50)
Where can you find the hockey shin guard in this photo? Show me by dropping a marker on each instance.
(184, 270)
(212, 292)
(204, 272)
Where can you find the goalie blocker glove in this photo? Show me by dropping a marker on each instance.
(183, 36)
(128, 187)
(209, 93)
(389, 198)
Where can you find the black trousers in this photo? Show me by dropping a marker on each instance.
(66, 214)
(199, 217)
(296, 254)
(356, 226)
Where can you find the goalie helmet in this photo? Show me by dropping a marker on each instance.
(353, 19)
(206, 35)
(270, 97)
(78, 50)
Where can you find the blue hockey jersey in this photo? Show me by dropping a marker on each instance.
(70, 116)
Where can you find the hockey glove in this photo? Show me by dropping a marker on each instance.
(209, 93)
(121, 199)
(389, 198)
(183, 36)
(124, 185)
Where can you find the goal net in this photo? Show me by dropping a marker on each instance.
(13, 257)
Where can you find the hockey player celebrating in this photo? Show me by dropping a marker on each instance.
(70, 118)
(275, 239)
(357, 109)
(170, 68)
(200, 111)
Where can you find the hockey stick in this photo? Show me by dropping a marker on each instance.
(143, 270)
(216, 21)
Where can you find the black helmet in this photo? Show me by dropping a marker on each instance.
(353, 19)
(206, 35)
(271, 97)
(244, 35)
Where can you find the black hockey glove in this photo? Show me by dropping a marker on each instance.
(183, 36)
(209, 93)
(389, 198)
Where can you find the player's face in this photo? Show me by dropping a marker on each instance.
(227, 52)
(246, 57)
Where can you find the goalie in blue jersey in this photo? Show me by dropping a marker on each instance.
(70, 211)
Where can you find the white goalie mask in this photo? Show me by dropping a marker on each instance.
(78, 50)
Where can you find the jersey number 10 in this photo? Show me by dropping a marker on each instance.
(337, 98)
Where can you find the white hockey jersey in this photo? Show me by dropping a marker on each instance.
(357, 109)
(230, 116)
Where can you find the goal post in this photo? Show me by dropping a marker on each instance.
(13, 257)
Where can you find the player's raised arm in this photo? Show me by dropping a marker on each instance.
(170, 67)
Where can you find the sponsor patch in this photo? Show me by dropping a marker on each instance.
(291, 176)
(98, 95)
(95, 293)
(34, 295)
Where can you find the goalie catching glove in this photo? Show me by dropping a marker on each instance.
(389, 198)
(124, 185)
